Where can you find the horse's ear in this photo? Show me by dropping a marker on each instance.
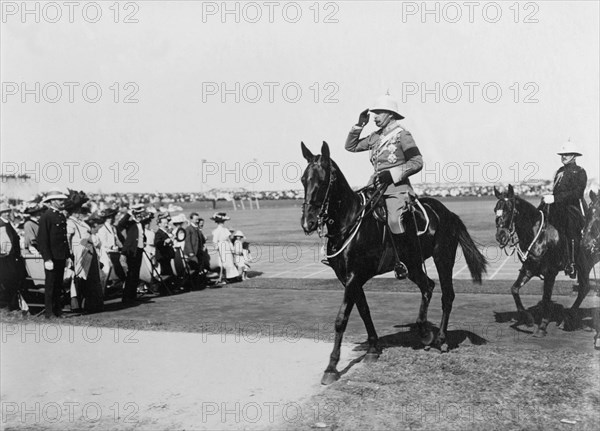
(306, 153)
(325, 151)
(511, 192)
(593, 196)
(497, 193)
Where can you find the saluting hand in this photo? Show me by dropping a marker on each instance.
(363, 119)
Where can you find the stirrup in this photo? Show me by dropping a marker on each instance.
(400, 271)
(571, 271)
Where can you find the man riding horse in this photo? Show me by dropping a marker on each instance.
(566, 204)
(395, 157)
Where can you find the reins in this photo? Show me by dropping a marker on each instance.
(514, 238)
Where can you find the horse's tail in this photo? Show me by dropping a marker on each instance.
(476, 261)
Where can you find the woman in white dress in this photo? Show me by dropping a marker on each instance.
(86, 266)
(222, 241)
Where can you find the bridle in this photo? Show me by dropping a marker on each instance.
(323, 217)
(513, 239)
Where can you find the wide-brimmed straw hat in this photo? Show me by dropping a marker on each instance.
(109, 212)
(54, 194)
(33, 208)
(4, 207)
(179, 219)
(219, 217)
(137, 208)
(238, 233)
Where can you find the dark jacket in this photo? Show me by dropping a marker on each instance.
(194, 241)
(52, 236)
(15, 247)
(130, 238)
(569, 184)
(163, 251)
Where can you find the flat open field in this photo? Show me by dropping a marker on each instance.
(251, 356)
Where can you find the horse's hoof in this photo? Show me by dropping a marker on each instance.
(529, 321)
(597, 343)
(371, 357)
(444, 348)
(427, 348)
(330, 377)
(539, 333)
(427, 339)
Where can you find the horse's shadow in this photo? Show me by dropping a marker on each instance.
(408, 337)
(579, 318)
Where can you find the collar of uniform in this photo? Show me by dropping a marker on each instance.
(394, 124)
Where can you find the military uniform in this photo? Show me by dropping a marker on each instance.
(53, 246)
(391, 148)
(567, 213)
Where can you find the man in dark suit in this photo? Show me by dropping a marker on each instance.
(567, 206)
(164, 245)
(54, 248)
(12, 266)
(134, 241)
(194, 248)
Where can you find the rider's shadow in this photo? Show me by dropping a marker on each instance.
(408, 336)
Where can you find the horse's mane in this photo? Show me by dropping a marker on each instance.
(340, 175)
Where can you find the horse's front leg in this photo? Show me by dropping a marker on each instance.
(546, 302)
(341, 321)
(373, 350)
(522, 279)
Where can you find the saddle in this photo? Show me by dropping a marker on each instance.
(377, 206)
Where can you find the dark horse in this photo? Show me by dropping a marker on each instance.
(360, 252)
(591, 243)
(524, 227)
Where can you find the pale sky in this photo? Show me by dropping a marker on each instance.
(180, 54)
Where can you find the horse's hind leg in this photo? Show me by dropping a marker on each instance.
(571, 320)
(546, 302)
(522, 279)
(444, 269)
(426, 285)
(341, 321)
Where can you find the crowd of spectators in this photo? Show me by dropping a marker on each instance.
(96, 245)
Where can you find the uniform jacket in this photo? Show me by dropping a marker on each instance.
(163, 251)
(52, 235)
(130, 242)
(569, 184)
(391, 148)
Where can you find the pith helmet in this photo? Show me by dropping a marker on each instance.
(569, 148)
(387, 103)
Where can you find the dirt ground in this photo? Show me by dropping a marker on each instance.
(239, 358)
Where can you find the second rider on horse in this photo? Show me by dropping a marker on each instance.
(395, 157)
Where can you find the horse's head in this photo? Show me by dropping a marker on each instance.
(505, 211)
(316, 181)
(591, 233)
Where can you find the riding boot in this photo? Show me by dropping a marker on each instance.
(401, 241)
(570, 266)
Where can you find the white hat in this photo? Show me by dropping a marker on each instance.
(569, 148)
(238, 233)
(54, 194)
(4, 207)
(387, 103)
(179, 219)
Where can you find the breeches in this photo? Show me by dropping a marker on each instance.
(396, 205)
